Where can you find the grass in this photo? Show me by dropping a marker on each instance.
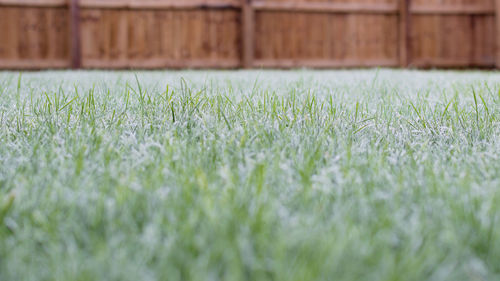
(260, 175)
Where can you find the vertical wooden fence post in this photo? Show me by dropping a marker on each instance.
(247, 33)
(404, 33)
(76, 55)
(497, 33)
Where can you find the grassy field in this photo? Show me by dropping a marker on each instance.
(258, 175)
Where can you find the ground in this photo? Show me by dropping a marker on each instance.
(250, 175)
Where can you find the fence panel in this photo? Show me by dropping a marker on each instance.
(34, 37)
(152, 34)
(326, 33)
(452, 33)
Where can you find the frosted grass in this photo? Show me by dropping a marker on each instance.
(250, 175)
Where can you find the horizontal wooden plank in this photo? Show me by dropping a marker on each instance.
(157, 4)
(176, 4)
(104, 4)
(450, 63)
(334, 7)
(162, 63)
(324, 63)
(129, 4)
(33, 64)
(447, 9)
(389, 8)
(34, 3)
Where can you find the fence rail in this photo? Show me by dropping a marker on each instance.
(124, 34)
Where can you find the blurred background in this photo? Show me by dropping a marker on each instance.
(151, 34)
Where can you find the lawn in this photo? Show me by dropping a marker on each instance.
(250, 175)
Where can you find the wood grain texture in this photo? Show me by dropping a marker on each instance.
(404, 32)
(76, 53)
(34, 37)
(160, 4)
(325, 36)
(243, 33)
(335, 7)
(462, 36)
(34, 3)
(169, 37)
(247, 28)
(497, 33)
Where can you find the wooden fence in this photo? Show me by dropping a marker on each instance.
(37, 34)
